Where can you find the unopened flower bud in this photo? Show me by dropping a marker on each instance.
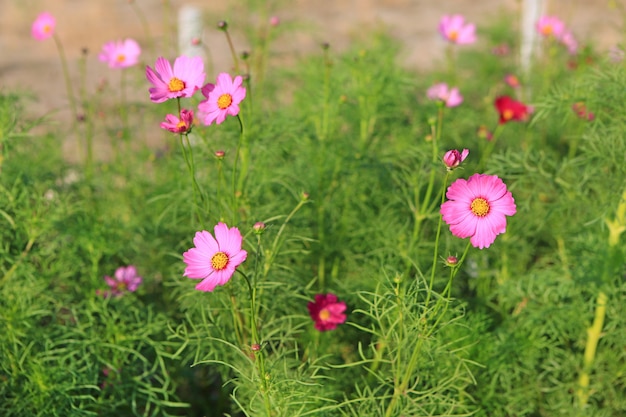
(255, 347)
(451, 261)
(305, 196)
(219, 154)
(222, 25)
(274, 21)
(453, 158)
(259, 227)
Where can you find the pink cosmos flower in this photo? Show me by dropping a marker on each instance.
(222, 98)
(120, 54)
(450, 96)
(43, 26)
(550, 26)
(213, 260)
(567, 39)
(125, 280)
(183, 80)
(176, 125)
(512, 80)
(477, 208)
(453, 158)
(454, 29)
(327, 312)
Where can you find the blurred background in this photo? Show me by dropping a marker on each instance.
(29, 66)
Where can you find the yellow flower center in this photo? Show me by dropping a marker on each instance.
(181, 125)
(507, 114)
(219, 261)
(47, 29)
(480, 207)
(546, 30)
(120, 58)
(224, 101)
(453, 35)
(175, 85)
(324, 314)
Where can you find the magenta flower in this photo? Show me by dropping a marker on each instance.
(550, 26)
(453, 158)
(125, 280)
(179, 125)
(214, 260)
(120, 54)
(477, 208)
(43, 26)
(222, 99)
(183, 80)
(327, 312)
(453, 29)
(450, 96)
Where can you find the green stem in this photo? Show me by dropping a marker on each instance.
(593, 337)
(257, 344)
(489, 148)
(66, 75)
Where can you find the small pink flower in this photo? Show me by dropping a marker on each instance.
(125, 280)
(512, 80)
(176, 125)
(454, 29)
(214, 260)
(274, 21)
(222, 99)
(477, 208)
(581, 111)
(43, 26)
(567, 39)
(450, 96)
(327, 312)
(120, 54)
(453, 158)
(183, 80)
(550, 26)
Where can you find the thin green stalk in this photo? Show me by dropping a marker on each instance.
(256, 344)
(593, 337)
(66, 75)
(489, 148)
(436, 249)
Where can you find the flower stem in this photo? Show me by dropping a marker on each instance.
(66, 75)
(256, 341)
(593, 336)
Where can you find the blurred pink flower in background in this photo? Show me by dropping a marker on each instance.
(581, 111)
(274, 21)
(327, 312)
(454, 29)
(567, 39)
(125, 280)
(179, 125)
(222, 99)
(120, 54)
(183, 80)
(512, 80)
(453, 158)
(477, 208)
(214, 260)
(43, 26)
(550, 26)
(450, 96)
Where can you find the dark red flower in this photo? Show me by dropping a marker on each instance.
(512, 110)
(327, 312)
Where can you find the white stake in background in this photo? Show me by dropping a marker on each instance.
(531, 12)
(190, 32)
